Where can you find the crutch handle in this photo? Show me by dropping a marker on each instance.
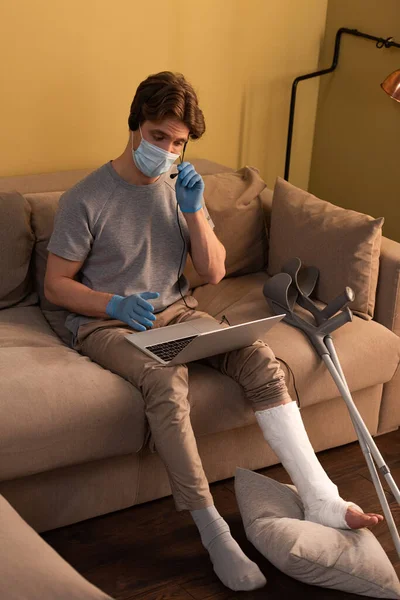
(309, 305)
(338, 303)
(345, 316)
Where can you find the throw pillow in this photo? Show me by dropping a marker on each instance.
(343, 244)
(233, 201)
(44, 206)
(16, 244)
(350, 561)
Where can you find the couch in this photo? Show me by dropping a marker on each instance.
(30, 568)
(73, 436)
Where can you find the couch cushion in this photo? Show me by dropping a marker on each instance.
(343, 244)
(22, 328)
(368, 352)
(115, 420)
(30, 568)
(16, 243)
(233, 201)
(58, 408)
(43, 182)
(44, 206)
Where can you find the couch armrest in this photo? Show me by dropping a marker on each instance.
(387, 304)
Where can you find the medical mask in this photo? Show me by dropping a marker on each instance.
(152, 160)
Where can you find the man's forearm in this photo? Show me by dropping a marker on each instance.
(207, 252)
(78, 298)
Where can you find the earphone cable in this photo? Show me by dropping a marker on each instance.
(183, 252)
(182, 236)
(294, 380)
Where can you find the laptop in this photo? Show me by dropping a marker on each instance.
(199, 338)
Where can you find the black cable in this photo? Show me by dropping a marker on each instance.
(223, 318)
(180, 230)
(183, 252)
(294, 380)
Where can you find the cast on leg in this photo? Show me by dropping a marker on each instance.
(283, 428)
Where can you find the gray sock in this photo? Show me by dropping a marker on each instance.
(231, 565)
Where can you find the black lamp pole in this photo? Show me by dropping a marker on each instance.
(380, 43)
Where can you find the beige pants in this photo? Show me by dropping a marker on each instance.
(165, 391)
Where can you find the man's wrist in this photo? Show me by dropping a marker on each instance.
(190, 206)
(195, 214)
(195, 218)
(112, 305)
(192, 210)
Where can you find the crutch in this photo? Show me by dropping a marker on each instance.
(295, 284)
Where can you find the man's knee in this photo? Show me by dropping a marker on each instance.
(255, 363)
(260, 374)
(165, 385)
(275, 395)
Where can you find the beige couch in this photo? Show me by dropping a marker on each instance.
(30, 569)
(73, 436)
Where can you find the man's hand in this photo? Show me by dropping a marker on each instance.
(189, 188)
(133, 310)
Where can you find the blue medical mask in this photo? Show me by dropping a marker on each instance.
(152, 160)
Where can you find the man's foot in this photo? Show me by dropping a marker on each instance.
(231, 565)
(356, 519)
(340, 514)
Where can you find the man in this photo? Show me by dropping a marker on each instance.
(114, 258)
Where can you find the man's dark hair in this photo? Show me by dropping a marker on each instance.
(164, 95)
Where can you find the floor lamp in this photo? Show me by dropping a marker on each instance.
(391, 85)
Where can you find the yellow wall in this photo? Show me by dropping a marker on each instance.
(73, 66)
(357, 136)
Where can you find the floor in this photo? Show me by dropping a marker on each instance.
(151, 552)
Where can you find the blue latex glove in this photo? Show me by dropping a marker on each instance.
(133, 310)
(189, 188)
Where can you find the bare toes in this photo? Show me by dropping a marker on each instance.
(379, 517)
(357, 520)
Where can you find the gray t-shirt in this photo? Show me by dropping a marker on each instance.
(127, 235)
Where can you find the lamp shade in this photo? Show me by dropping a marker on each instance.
(391, 85)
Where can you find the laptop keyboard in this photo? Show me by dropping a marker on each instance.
(168, 350)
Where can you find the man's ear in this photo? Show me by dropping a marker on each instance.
(134, 138)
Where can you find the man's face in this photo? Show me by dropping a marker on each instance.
(168, 134)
